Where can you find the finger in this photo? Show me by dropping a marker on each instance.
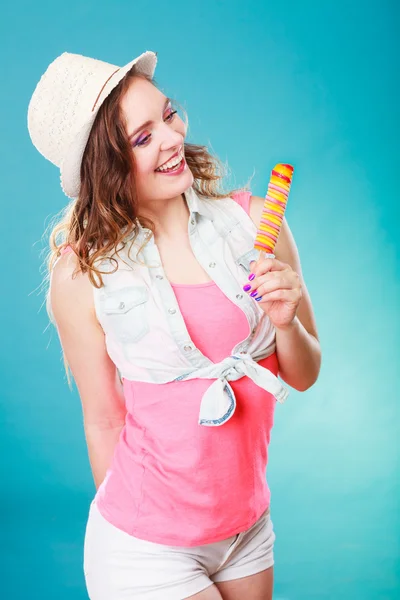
(253, 266)
(266, 265)
(256, 283)
(271, 285)
(287, 279)
(282, 295)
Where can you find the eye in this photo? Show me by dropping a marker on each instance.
(143, 141)
(171, 114)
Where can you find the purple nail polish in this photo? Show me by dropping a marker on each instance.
(259, 298)
(251, 277)
(247, 288)
(254, 294)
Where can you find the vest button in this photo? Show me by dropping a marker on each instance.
(212, 265)
(159, 277)
(192, 221)
(187, 348)
(239, 296)
(121, 305)
(171, 311)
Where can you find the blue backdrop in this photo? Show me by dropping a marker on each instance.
(315, 84)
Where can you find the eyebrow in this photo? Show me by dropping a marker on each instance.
(150, 122)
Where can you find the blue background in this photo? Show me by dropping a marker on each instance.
(315, 84)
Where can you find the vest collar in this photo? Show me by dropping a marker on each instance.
(196, 205)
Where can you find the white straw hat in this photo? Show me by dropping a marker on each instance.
(64, 106)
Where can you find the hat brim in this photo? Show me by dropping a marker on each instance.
(71, 165)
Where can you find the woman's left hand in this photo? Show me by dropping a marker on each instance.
(279, 288)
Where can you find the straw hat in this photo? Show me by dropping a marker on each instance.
(64, 106)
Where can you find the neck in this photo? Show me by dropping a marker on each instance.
(170, 217)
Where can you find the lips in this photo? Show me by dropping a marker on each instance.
(170, 158)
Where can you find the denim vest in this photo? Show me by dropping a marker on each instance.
(145, 334)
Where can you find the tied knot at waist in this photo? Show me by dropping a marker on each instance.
(219, 402)
(232, 367)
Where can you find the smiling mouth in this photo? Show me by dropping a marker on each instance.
(174, 165)
(175, 169)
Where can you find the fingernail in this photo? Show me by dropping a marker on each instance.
(251, 277)
(254, 294)
(259, 298)
(246, 288)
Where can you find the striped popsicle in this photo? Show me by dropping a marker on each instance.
(274, 209)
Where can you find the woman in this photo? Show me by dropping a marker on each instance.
(174, 333)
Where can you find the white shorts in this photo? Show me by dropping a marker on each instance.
(119, 566)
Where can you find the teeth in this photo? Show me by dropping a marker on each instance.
(172, 163)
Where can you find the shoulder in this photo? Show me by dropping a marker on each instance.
(256, 205)
(71, 292)
(66, 271)
(240, 194)
(242, 197)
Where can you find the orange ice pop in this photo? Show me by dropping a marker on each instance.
(274, 209)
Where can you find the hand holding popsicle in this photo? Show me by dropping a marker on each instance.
(273, 283)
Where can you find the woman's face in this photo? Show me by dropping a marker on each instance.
(156, 134)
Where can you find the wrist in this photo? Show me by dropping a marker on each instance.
(290, 326)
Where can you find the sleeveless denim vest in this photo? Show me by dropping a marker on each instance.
(145, 334)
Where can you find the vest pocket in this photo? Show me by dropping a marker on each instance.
(125, 313)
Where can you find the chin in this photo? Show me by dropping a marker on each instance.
(189, 178)
(175, 186)
(170, 189)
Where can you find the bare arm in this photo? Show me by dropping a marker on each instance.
(96, 376)
(298, 348)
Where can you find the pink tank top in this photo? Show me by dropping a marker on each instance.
(173, 481)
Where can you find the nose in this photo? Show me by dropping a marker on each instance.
(170, 138)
